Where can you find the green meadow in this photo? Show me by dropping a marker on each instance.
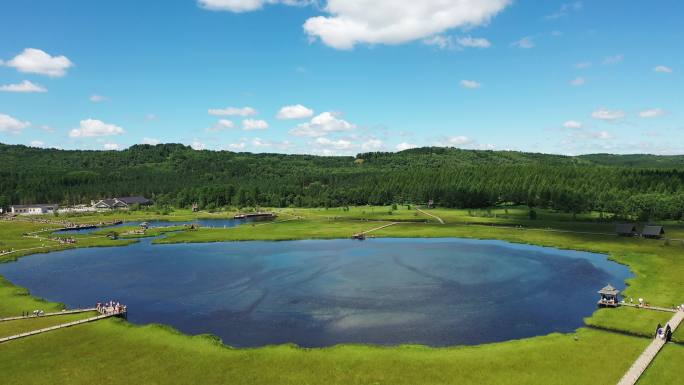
(114, 350)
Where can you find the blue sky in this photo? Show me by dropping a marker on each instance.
(344, 76)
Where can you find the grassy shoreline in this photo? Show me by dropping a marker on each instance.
(533, 360)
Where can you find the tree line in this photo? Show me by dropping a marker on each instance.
(640, 186)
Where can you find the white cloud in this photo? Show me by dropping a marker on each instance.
(352, 22)
(340, 144)
(97, 98)
(150, 141)
(613, 59)
(12, 125)
(36, 61)
(652, 113)
(439, 41)
(254, 124)
(25, 86)
(110, 146)
(322, 124)
(233, 111)
(372, 145)
(197, 145)
(221, 125)
(37, 143)
(573, 125)
(455, 141)
(525, 43)
(405, 146)
(583, 65)
(260, 143)
(601, 135)
(565, 9)
(578, 81)
(473, 42)
(663, 69)
(608, 115)
(237, 146)
(296, 111)
(47, 128)
(445, 42)
(239, 6)
(93, 128)
(472, 84)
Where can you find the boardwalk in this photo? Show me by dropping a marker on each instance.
(48, 314)
(362, 235)
(56, 327)
(645, 359)
(430, 215)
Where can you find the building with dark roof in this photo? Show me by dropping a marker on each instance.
(120, 203)
(653, 232)
(609, 296)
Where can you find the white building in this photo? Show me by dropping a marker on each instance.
(36, 209)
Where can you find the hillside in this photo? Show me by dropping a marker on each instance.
(639, 185)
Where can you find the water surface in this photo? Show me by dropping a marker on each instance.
(318, 293)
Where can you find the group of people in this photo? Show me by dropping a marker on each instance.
(111, 307)
(35, 313)
(664, 334)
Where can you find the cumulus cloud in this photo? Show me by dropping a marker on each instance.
(110, 146)
(472, 84)
(254, 124)
(25, 86)
(352, 22)
(573, 125)
(525, 43)
(652, 113)
(613, 59)
(197, 145)
(578, 81)
(663, 69)
(448, 42)
(97, 98)
(237, 146)
(372, 145)
(405, 146)
(233, 111)
(455, 141)
(37, 61)
(239, 6)
(150, 141)
(221, 125)
(322, 125)
(296, 111)
(340, 144)
(565, 10)
(608, 115)
(11, 124)
(37, 143)
(93, 128)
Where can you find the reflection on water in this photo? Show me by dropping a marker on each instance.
(317, 293)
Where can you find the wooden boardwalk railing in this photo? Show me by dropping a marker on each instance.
(645, 359)
(56, 327)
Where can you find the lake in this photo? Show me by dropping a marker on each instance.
(315, 293)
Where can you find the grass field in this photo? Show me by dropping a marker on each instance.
(156, 354)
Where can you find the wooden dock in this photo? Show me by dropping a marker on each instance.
(30, 316)
(645, 359)
(362, 235)
(56, 327)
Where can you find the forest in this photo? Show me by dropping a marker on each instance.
(643, 187)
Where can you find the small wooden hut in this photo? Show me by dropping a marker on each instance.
(609, 297)
(653, 232)
(626, 230)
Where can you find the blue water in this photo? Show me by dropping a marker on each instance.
(224, 222)
(318, 293)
